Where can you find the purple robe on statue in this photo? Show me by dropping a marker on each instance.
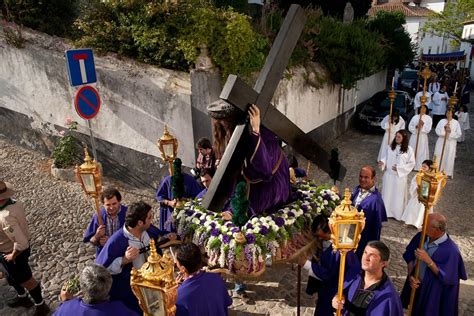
(204, 294)
(384, 300)
(78, 308)
(266, 170)
(115, 247)
(375, 214)
(438, 294)
(94, 224)
(327, 270)
(165, 192)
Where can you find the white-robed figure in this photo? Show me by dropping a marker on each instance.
(448, 131)
(415, 211)
(463, 120)
(398, 123)
(420, 124)
(398, 162)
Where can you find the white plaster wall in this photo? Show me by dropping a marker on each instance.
(412, 26)
(434, 5)
(136, 99)
(310, 108)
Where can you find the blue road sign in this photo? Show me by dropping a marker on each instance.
(81, 67)
(87, 102)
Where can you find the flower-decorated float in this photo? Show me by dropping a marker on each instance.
(243, 251)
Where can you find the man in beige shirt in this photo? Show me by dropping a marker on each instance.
(15, 251)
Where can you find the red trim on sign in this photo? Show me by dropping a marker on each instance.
(80, 95)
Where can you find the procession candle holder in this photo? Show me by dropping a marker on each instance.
(89, 176)
(346, 224)
(425, 74)
(452, 104)
(168, 146)
(154, 284)
(391, 97)
(430, 186)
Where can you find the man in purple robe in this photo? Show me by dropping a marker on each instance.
(164, 196)
(441, 268)
(127, 248)
(95, 282)
(324, 274)
(113, 217)
(201, 293)
(372, 292)
(366, 197)
(266, 168)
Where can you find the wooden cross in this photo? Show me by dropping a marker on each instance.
(239, 94)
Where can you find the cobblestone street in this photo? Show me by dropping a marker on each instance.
(58, 213)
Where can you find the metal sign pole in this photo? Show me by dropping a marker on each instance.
(94, 152)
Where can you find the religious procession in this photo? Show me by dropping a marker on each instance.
(274, 193)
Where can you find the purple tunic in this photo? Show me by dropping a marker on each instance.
(78, 308)
(94, 224)
(375, 214)
(115, 247)
(165, 192)
(385, 300)
(201, 194)
(267, 171)
(327, 269)
(437, 295)
(204, 294)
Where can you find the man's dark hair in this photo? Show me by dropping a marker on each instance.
(320, 222)
(137, 211)
(381, 247)
(204, 143)
(189, 256)
(209, 171)
(109, 193)
(292, 161)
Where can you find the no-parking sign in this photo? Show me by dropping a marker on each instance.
(87, 102)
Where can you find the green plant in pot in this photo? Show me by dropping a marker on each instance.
(64, 154)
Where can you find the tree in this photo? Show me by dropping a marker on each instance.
(334, 8)
(449, 23)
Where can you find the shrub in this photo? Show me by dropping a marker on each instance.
(64, 153)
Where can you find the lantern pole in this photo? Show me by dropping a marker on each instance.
(340, 287)
(452, 103)
(391, 96)
(434, 194)
(426, 73)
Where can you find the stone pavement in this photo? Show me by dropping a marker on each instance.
(58, 213)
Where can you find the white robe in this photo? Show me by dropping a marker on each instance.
(447, 165)
(395, 128)
(415, 211)
(423, 151)
(463, 120)
(394, 183)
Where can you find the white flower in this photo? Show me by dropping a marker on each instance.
(285, 216)
(232, 243)
(195, 220)
(325, 202)
(256, 230)
(229, 234)
(224, 229)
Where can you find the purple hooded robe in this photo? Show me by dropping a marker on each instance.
(375, 214)
(438, 294)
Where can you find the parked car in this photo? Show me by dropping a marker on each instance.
(371, 112)
(408, 80)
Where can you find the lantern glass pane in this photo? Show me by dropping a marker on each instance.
(168, 150)
(425, 189)
(153, 301)
(88, 181)
(346, 234)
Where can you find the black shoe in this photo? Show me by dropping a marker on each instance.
(20, 302)
(42, 310)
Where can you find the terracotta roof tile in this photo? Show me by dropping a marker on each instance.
(405, 9)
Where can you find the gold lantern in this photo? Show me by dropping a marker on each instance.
(168, 146)
(89, 176)
(430, 186)
(346, 224)
(154, 284)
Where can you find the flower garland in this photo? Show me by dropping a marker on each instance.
(265, 234)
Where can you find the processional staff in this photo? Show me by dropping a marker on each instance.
(346, 225)
(391, 96)
(430, 185)
(425, 74)
(452, 103)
